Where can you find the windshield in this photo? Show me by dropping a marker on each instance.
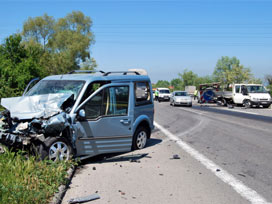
(181, 94)
(165, 91)
(256, 89)
(56, 86)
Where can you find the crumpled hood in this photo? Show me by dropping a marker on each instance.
(28, 107)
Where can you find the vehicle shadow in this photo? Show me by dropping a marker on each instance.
(121, 157)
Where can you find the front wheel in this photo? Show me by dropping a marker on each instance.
(56, 149)
(247, 103)
(139, 138)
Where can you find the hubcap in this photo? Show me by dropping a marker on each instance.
(141, 139)
(247, 104)
(59, 151)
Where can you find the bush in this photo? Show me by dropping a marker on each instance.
(26, 180)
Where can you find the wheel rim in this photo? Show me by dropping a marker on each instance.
(141, 139)
(59, 151)
(247, 104)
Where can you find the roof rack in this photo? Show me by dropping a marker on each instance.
(121, 72)
(86, 71)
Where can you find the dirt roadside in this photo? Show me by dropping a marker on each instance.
(150, 175)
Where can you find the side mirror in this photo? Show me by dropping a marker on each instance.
(81, 114)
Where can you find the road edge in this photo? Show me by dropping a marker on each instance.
(57, 198)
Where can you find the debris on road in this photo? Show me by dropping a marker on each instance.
(94, 168)
(84, 199)
(241, 175)
(175, 156)
(218, 170)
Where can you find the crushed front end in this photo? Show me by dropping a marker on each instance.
(28, 121)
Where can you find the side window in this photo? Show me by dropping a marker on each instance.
(237, 89)
(142, 93)
(93, 108)
(111, 101)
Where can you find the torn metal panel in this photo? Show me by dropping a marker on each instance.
(37, 106)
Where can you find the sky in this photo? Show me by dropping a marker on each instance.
(164, 37)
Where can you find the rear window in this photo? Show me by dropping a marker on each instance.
(142, 93)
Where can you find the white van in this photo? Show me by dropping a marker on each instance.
(163, 94)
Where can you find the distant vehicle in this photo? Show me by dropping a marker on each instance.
(180, 98)
(164, 94)
(190, 90)
(207, 92)
(248, 95)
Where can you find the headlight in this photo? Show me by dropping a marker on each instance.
(22, 126)
(255, 99)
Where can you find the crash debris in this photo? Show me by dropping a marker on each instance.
(84, 199)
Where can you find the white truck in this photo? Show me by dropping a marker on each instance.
(190, 90)
(248, 95)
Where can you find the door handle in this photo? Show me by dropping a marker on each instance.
(125, 121)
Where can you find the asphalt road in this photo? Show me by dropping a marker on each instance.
(238, 140)
(225, 157)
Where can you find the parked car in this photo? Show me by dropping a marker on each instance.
(164, 94)
(81, 115)
(180, 98)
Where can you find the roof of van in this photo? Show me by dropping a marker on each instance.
(99, 77)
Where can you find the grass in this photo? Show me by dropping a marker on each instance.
(26, 180)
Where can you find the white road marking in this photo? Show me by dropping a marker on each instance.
(246, 192)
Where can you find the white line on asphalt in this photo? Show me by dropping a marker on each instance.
(226, 177)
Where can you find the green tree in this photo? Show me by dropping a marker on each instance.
(18, 65)
(188, 78)
(162, 84)
(40, 29)
(228, 71)
(176, 83)
(66, 41)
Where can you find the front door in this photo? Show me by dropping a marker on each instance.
(238, 97)
(108, 121)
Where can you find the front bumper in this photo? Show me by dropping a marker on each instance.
(164, 98)
(261, 103)
(188, 103)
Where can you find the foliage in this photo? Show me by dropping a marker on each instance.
(66, 41)
(18, 65)
(162, 84)
(228, 70)
(188, 78)
(26, 180)
(176, 83)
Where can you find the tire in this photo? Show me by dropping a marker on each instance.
(247, 103)
(56, 149)
(139, 138)
(190, 105)
(266, 106)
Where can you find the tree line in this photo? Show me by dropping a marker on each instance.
(228, 70)
(45, 46)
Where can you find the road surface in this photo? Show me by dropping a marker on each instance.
(225, 157)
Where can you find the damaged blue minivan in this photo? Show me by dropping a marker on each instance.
(80, 114)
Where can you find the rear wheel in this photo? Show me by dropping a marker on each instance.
(139, 138)
(56, 149)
